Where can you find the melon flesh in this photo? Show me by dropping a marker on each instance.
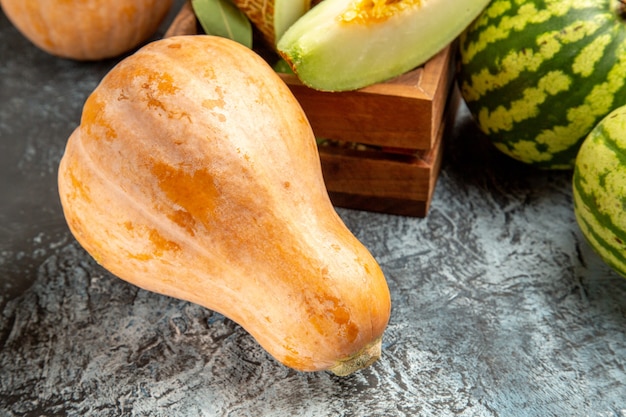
(273, 17)
(348, 44)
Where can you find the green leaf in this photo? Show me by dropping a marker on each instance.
(223, 18)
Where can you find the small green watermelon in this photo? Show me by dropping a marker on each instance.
(538, 75)
(599, 189)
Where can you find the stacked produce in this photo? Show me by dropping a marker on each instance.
(340, 45)
(194, 172)
(537, 75)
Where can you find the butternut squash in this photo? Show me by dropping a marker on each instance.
(194, 173)
(86, 29)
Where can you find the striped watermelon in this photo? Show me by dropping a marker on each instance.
(538, 75)
(599, 189)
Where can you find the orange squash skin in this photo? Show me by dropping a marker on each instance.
(86, 30)
(194, 173)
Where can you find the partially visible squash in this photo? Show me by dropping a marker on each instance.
(194, 173)
(86, 29)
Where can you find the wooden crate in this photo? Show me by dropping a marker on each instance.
(384, 145)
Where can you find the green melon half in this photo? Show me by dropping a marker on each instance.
(599, 189)
(348, 44)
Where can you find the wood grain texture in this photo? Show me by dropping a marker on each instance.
(396, 182)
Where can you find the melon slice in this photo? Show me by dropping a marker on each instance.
(273, 17)
(348, 44)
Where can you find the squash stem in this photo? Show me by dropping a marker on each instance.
(360, 360)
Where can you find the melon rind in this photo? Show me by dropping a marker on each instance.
(329, 54)
(273, 17)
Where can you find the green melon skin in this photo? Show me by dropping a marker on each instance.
(538, 75)
(330, 54)
(599, 189)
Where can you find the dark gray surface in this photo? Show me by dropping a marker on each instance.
(500, 308)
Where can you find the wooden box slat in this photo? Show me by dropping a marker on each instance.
(393, 183)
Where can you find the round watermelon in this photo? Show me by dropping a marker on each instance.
(599, 189)
(538, 75)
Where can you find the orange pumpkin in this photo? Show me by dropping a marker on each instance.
(86, 29)
(194, 173)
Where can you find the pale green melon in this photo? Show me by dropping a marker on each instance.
(348, 44)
